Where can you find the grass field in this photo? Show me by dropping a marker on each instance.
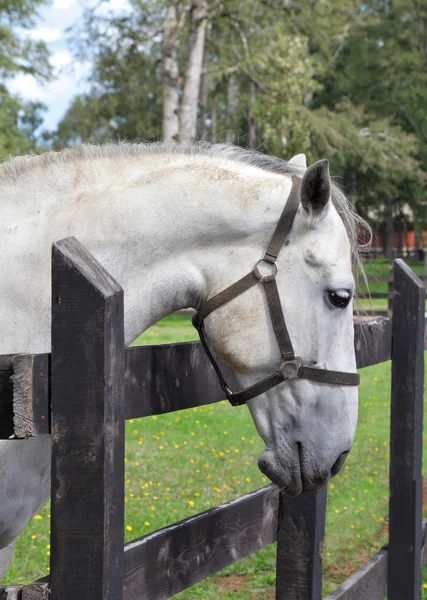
(182, 463)
(376, 269)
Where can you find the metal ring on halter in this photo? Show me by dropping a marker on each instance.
(227, 390)
(290, 368)
(262, 277)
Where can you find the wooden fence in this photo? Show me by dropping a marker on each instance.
(83, 392)
(386, 295)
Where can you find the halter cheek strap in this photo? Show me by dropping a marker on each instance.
(292, 366)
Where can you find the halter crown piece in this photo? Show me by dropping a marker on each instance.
(292, 366)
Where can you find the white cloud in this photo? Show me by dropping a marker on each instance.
(61, 58)
(70, 75)
(46, 33)
(63, 4)
(57, 94)
(115, 6)
(27, 87)
(119, 4)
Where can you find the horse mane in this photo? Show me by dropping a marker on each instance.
(15, 168)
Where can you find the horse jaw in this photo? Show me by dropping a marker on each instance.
(308, 428)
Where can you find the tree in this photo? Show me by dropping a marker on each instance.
(18, 122)
(172, 31)
(18, 119)
(287, 77)
(383, 67)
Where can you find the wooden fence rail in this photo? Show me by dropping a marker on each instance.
(91, 383)
(386, 295)
(157, 379)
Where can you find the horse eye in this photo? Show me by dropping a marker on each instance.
(339, 298)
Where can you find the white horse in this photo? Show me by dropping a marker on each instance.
(175, 225)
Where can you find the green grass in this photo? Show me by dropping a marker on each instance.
(375, 269)
(185, 462)
(176, 328)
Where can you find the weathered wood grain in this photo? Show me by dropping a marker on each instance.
(171, 377)
(406, 436)
(372, 341)
(12, 593)
(300, 546)
(87, 500)
(30, 389)
(163, 563)
(368, 583)
(38, 590)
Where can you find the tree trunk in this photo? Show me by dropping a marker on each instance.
(196, 44)
(214, 117)
(251, 121)
(204, 99)
(388, 231)
(170, 75)
(230, 133)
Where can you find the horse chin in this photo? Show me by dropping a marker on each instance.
(288, 476)
(289, 481)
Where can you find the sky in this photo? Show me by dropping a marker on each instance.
(69, 74)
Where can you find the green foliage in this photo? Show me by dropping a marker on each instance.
(17, 53)
(18, 119)
(382, 67)
(343, 81)
(125, 100)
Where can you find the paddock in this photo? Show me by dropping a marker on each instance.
(83, 392)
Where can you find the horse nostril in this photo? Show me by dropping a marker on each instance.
(339, 463)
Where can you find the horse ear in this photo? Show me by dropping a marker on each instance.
(299, 160)
(316, 187)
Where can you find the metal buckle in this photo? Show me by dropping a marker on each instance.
(227, 390)
(290, 368)
(262, 277)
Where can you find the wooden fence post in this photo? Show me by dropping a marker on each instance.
(300, 546)
(390, 292)
(87, 536)
(406, 493)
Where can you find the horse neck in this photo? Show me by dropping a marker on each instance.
(172, 230)
(211, 225)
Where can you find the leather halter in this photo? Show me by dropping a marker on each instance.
(292, 366)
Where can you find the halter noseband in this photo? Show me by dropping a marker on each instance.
(292, 366)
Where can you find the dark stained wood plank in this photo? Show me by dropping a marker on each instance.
(368, 583)
(386, 278)
(11, 593)
(300, 546)
(377, 295)
(165, 378)
(38, 590)
(372, 341)
(163, 563)
(381, 278)
(172, 377)
(391, 291)
(31, 381)
(406, 449)
(87, 428)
